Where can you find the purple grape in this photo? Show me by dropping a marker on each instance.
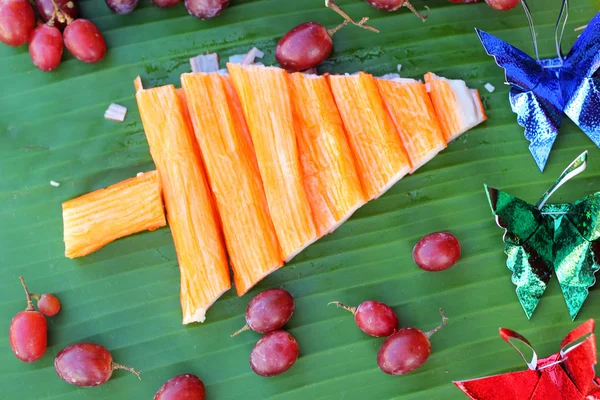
(165, 3)
(122, 6)
(268, 311)
(205, 9)
(274, 354)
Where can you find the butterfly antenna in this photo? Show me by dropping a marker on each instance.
(562, 16)
(575, 168)
(531, 28)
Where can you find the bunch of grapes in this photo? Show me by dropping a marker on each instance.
(60, 28)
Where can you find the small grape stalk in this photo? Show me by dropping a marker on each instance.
(28, 332)
(182, 387)
(406, 349)
(436, 252)
(309, 44)
(87, 365)
(268, 311)
(393, 5)
(274, 354)
(57, 13)
(373, 318)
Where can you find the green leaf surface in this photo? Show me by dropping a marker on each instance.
(126, 296)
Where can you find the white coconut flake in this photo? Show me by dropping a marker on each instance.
(55, 184)
(237, 58)
(115, 112)
(205, 63)
(489, 87)
(140, 174)
(390, 77)
(399, 67)
(251, 55)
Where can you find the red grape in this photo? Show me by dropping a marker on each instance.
(86, 365)
(28, 332)
(68, 9)
(45, 49)
(274, 354)
(304, 47)
(205, 9)
(503, 5)
(437, 251)
(85, 41)
(182, 387)
(464, 1)
(393, 5)
(406, 350)
(48, 304)
(17, 21)
(268, 311)
(122, 6)
(373, 318)
(165, 3)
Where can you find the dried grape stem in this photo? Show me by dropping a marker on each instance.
(340, 305)
(59, 14)
(333, 31)
(414, 10)
(244, 329)
(333, 5)
(29, 302)
(440, 326)
(132, 370)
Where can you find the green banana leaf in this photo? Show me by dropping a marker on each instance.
(126, 296)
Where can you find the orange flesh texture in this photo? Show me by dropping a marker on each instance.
(234, 178)
(377, 147)
(448, 108)
(330, 177)
(414, 117)
(190, 211)
(265, 98)
(97, 218)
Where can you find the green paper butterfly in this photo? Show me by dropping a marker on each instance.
(547, 238)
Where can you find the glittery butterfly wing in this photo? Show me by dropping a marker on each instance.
(535, 95)
(580, 81)
(577, 249)
(527, 243)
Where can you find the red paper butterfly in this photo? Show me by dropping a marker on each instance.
(566, 375)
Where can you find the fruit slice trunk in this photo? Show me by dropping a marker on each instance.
(190, 210)
(377, 147)
(98, 218)
(234, 177)
(457, 107)
(413, 114)
(329, 171)
(265, 98)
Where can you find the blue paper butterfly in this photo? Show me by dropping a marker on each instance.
(541, 91)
